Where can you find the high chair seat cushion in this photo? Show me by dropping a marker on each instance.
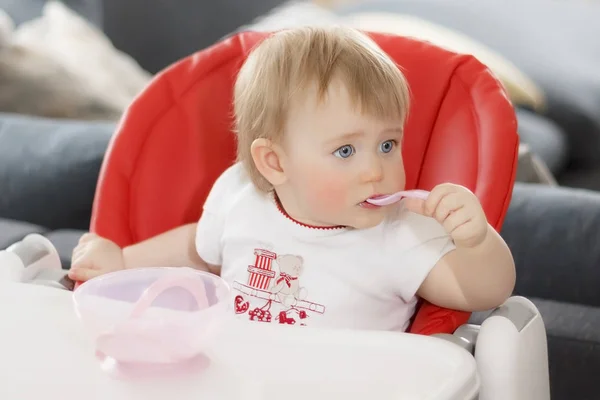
(176, 138)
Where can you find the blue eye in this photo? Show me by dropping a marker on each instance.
(387, 146)
(344, 151)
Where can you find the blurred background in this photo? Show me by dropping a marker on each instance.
(69, 69)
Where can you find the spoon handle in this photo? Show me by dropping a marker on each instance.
(395, 197)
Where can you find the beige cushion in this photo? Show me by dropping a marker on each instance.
(6, 28)
(59, 65)
(521, 89)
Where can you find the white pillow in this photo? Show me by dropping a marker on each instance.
(67, 38)
(6, 28)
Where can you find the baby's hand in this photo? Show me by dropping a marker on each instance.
(457, 209)
(95, 256)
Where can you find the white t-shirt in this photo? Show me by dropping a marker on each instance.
(281, 271)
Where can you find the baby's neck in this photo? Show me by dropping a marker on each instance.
(289, 206)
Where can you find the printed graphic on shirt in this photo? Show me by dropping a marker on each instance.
(277, 291)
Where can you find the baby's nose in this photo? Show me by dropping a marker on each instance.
(373, 171)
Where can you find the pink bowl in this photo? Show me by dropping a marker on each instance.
(157, 316)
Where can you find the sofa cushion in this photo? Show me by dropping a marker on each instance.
(12, 231)
(584, 178)
(49, 169)
(562, 263)
(171, 30)
(545, 138)
(101, 78)
(59, 65)
(24, 10)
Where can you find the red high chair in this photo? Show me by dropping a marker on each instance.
(176, 138)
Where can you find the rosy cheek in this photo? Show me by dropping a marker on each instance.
(327, 191)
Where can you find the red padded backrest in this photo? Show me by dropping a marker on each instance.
(176, 138)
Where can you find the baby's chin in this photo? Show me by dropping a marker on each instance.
(366, 222)
(355, 219)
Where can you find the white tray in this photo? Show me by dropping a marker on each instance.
(44, 353)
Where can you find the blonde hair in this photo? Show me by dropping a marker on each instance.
(287, 62)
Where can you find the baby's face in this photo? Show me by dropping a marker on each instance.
(337, 158)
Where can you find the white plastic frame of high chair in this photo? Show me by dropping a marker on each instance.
(511, 351)
(34, 259)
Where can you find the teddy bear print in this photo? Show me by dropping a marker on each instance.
(286, 286)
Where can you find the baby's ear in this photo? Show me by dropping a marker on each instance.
(267, 159)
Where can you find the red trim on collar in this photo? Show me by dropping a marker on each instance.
(285, 214)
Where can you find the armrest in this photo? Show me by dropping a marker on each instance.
(49, 169)
(465, 336)
(34, 259)
(511, 351)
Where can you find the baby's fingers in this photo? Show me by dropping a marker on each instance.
(436, 196)
(449, 204)
(83, 259)
(415, 205)
(79, 251)
(83, 274)
(456, 220)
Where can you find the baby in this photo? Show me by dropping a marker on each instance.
(319, 116)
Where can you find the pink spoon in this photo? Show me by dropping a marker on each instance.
(394, 197)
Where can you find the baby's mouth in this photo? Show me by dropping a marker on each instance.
(373, 197)
(366, 204)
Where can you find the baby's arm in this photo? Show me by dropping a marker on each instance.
(95, 255)
(173, 248)
(178, 247)
(479, 273)
(472, 278)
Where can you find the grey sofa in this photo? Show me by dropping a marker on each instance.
(49, 168)
(48, 173)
